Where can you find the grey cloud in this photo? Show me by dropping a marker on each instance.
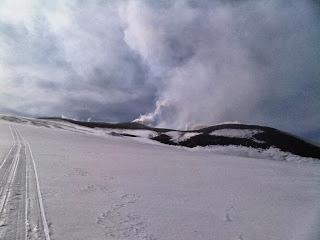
(70, 59)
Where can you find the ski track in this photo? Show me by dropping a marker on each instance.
(22, 215)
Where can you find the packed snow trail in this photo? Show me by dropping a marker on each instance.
(21, 210)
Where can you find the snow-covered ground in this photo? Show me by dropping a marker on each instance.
(177, 136)
(98, 186)
(239, 133)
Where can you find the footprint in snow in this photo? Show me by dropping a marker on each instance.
(227, 216)
(240, 237)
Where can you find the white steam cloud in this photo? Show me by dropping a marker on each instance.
(225, 61)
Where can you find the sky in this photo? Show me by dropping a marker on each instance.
(178, 64)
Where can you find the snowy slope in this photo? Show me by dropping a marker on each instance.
(98, 186)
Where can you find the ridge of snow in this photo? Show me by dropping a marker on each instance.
(242, 151)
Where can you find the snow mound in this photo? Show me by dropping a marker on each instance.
(238, 133)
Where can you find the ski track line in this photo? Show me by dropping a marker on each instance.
(8, 189)
(16, 168)
(5, 170)
(43, 216)
(7, 166)
(12, 174)
(20, 223)
(21, 226)
(8, 153)
(26, 198)
(26, 188)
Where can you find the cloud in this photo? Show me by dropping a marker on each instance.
(247, 61)
(173, 63)
(71, 59)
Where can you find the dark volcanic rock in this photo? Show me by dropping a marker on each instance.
(265, 138)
